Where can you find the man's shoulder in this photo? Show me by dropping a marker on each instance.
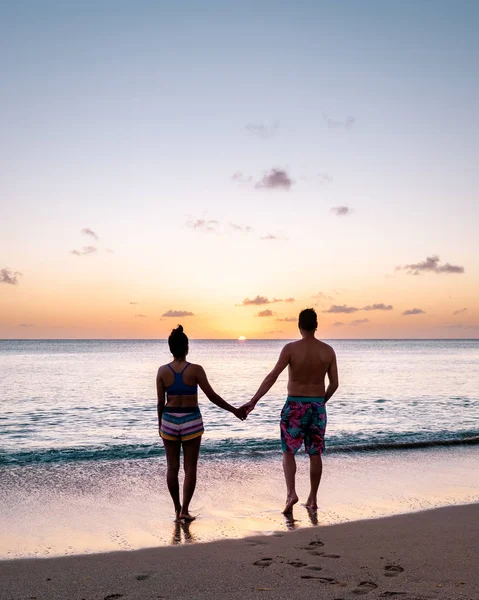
(327, 347)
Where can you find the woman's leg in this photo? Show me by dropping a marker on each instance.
(191, 451)
(173, 467)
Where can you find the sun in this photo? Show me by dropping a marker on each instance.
(241, 338)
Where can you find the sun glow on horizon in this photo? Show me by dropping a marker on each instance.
(241, 338)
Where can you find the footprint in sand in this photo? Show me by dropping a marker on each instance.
(392, 594)
(315, 568)
(297, 564)
(315, 544)
(113, 596)
(393, 570)
(330, 555)
(142, 577)
(263, 562)
(364, 588)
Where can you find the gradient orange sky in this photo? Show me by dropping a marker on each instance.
(159, 170)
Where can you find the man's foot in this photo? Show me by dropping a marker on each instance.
(185, 516)
(290, 502)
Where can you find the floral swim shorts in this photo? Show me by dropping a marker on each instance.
(303, 418)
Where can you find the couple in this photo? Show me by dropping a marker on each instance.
(302, 418)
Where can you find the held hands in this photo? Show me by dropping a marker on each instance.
(240, 413)
(248, 407)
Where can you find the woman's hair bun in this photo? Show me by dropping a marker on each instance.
(179, 329)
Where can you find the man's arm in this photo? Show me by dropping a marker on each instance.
(160, 391)
(333, 379)
(270, 379)
(214, 397)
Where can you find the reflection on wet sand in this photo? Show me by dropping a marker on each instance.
(187, 537)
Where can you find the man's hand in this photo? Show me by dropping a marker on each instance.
(248, 407)
(240, 413)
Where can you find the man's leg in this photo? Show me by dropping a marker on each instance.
(172, 448)
(289, 467)
(191, 451)
(315, 471)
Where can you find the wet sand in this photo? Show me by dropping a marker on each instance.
(419, 556)
(58, 510)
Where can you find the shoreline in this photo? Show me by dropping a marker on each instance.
(419, 555)
(61, 510)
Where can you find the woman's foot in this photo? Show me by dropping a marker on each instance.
(311, 503)
(290, 502)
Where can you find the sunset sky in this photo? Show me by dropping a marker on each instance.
(225, 164)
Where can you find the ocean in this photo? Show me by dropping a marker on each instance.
(82, 466)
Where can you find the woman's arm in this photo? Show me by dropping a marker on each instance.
(160, 391)
(214, 397)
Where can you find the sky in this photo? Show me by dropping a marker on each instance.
(225, 164)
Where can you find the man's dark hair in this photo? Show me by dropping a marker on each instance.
(308, 319)
(178, 342)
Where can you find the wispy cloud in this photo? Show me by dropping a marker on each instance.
(346, 123)
(432, 264)
(241, 228)
(413, 311)
(271, 237)
(379, 306)
(276, 179)
(90, 233)
(338, 324)
(265, 313)
(341, 211)
(264, 300)
(240, 177)
(177, 313)
(341, 308)
(85, 251)
(357, 322)
(206, 225)
(133, 303)
(10, 277)
(460, 311)
(289, 319)
(274, 331)
(265, 132)
(140, 316)
(322, 296)
(324, 178)
(26, 325)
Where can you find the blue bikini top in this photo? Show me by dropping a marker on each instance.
(179, 387)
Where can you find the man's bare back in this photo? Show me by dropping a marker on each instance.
(309, 362)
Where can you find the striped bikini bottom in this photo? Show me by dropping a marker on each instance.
(181, 424)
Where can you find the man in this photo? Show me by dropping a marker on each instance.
(304, 414)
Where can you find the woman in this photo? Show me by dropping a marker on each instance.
(179, 420)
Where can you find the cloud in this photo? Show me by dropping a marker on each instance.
(338, 324)
(359, 322)
(431, 265)
(276, 179)
(271, 237)
(341, 211)
(274, 331)
(334, 124)
(177, 313)
(322, 296)
(289, 319)
(133, 303)
(460, 311)
(141, 316)
(265, 132)
(341, 308)
(26, 325)
(90, 232)
(380, 306)
(241, 228)
(240, 177)
(265, 313)
(324, 178)
(86, 251)
(10, 277)
(413, 311)
(207, 225)
(263, 300)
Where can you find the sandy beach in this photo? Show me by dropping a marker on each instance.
(430, 554)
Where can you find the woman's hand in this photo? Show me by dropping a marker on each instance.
(248, 407)
(240, 413)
